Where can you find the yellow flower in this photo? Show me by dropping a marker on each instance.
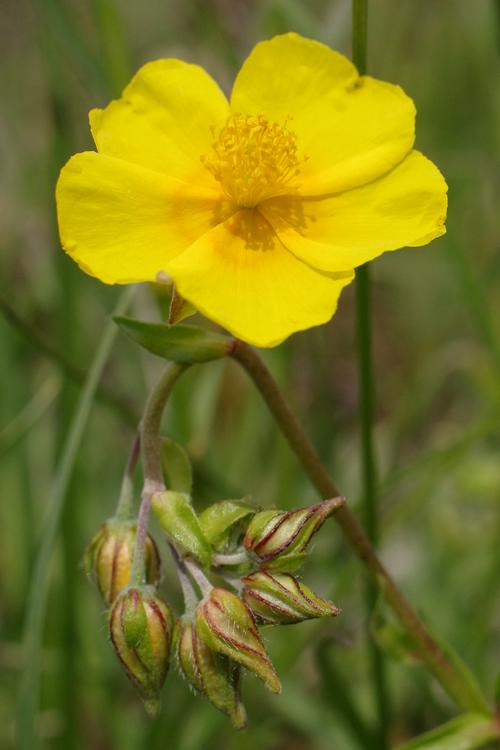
(261, 207)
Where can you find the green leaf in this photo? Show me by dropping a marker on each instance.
(178, 519)
(184, 344)
(218, 520)
(176, 466)
(390, 635)
(466, 732)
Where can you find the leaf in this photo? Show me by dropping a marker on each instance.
(466, 732)
(184, 344)
(178, 519)
(176, 466)
(392, 638)
(218, 520)
(390, 635)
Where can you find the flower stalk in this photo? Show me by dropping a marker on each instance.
(151, 461)
(446, 672)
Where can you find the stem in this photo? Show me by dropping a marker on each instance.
(235, 558)
(37, 596)
(190, 597)
(200, 578)
(429, 651)
(126, 497)
(366, 398)
(151, 463)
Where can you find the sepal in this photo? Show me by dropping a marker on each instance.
(225, 624)
(280, 599)
(278, 539)
(108, 558)
(212, 674)
(141, 628)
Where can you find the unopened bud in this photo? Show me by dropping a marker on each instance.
(279, 599)
(178, 519)
(108, 559)
(140, 627)
(278, 539)
(226, 625)
(211, 674)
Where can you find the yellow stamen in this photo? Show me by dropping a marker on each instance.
(253, 159)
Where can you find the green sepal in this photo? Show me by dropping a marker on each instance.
(183, 344)
(178, 519)
(219, 521)
(466, 732)
(280, 599)
(225, 624)
(176, 466)
(211, 674)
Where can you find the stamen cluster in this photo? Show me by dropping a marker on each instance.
(253, 159)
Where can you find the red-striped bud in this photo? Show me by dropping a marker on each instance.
(279, 599)
(140, 628)
(212, 674)
(278, 539)
(226, 625)
(108, 559)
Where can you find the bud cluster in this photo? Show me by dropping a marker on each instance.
(254, 551)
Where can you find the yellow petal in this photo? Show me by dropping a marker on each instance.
(122, 223)
(407, 207)
(349, 130)
(163, 120)
(241, 276)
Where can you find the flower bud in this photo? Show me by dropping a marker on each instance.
(178, 519)
(108, 559)
(226, 625)
(140, 628)
(211, 674)
(278, 539)
(279, 599)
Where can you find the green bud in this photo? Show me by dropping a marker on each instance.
(278, 539)
(178, 519)
(279, 599)
(226, 625)
(223, 521)
(140, 628)
(108, 558)
(211, 674)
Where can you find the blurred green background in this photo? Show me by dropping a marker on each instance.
(437, 356)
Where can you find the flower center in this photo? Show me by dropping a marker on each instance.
(253, 159)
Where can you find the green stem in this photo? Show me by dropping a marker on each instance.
(457, 687)
(37, 596)
(366, 398)
(151, 461)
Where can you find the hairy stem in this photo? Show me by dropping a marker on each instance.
(428, 650)
(151, 463)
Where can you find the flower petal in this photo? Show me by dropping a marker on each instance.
(122, 223)
(163, 120)
(241, 276)
(407, 207)
(350, 130)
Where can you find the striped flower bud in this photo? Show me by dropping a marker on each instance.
(278, 539)
(279, 599)
(226, 625)
(211, 674)
(140, 628)
(108, 559)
